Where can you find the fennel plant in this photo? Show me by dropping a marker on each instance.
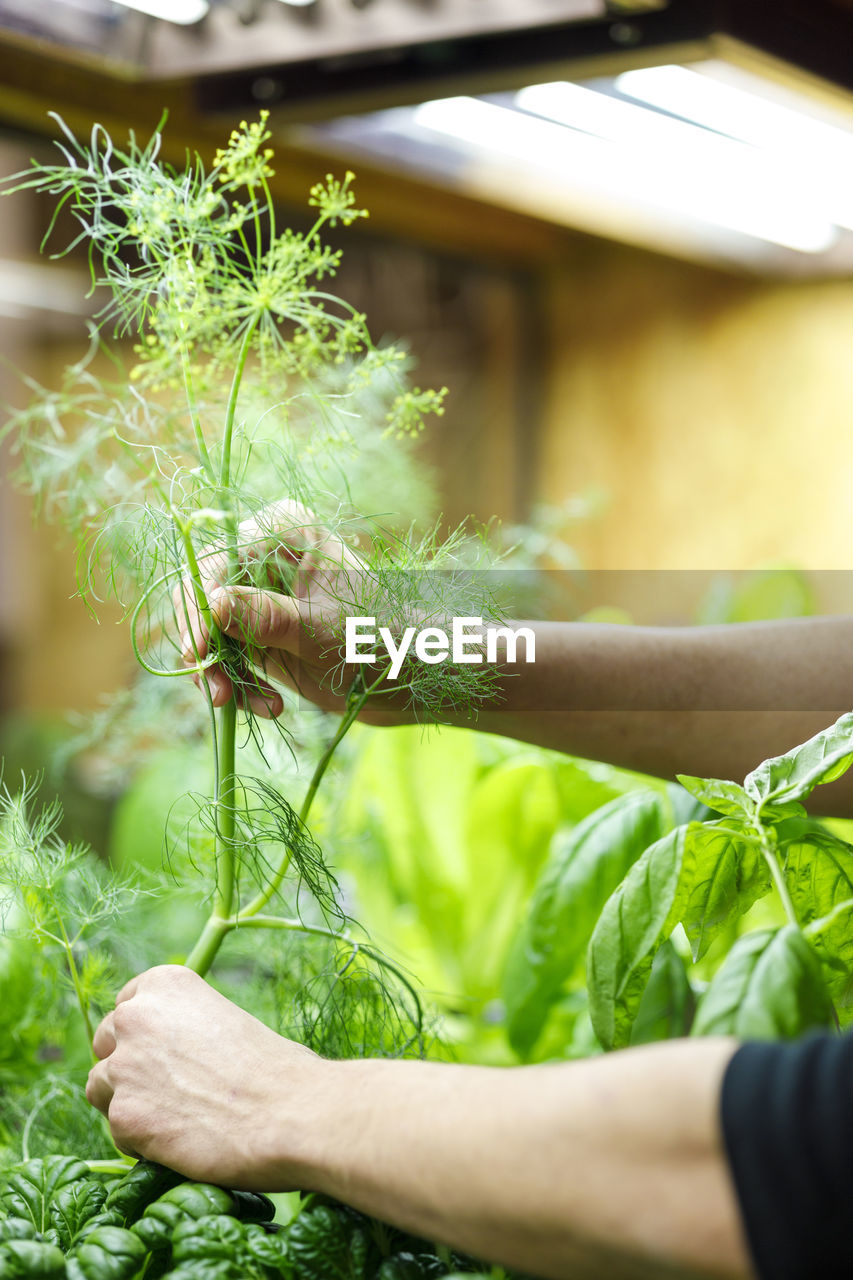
(251, 382)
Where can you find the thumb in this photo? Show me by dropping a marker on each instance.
(263, 619)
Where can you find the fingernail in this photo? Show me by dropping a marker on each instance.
(222, 603)
(260, 706)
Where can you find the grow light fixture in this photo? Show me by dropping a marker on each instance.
(821, 153)
(630, 156)
(184, 13)
(736, 112)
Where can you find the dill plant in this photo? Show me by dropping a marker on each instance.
(250, 382)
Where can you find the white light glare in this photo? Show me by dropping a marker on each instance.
(298, 4)
(183, 12)
(736, 112)
(629, 155)
(819, 154)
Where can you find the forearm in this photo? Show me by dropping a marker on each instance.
(607, 1167)
(709, 701)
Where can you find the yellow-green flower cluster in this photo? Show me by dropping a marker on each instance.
(244, 162)
(335, 200)
(407, 413)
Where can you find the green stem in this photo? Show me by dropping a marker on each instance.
(184, 529)
(118, 1167)
(288, 924)
(270, 208)
(221, 922)
(75, 976)
(231, 411)
(224, 798)
(195, 418)
(226, 809)
(203, 953)
(771, 857)
(210, 940)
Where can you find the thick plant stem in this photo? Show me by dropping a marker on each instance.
(195, 571)
(288, 925)
(117, 1168)
(204, 952)
(221, 922)
(226, 809)
(210, 940)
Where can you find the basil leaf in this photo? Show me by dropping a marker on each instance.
(730, 875)
(31, 1187)
(718, 794)
(586, 865)
(31, 1258)
(794, 775)
(831, 937)
(667, 1005)
(769, 986)
(73, 1206)
(702, 875)
(636, 919)
(818, 870)
(139, 1187)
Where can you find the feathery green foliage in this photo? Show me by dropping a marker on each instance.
(248, 382)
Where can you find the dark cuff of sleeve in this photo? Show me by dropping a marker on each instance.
(787, 1118)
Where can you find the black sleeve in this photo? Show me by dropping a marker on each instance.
(787, 1114)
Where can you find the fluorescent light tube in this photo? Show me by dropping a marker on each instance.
(736, 112)
(819, 154)
(628, 155)
(183, 12)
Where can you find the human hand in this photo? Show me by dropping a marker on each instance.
(190, 1080)
(293, 638)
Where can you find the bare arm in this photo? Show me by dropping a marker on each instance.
(609, 1167)
(709, 701)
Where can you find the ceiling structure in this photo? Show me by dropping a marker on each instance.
(355, 63)
(329, 52)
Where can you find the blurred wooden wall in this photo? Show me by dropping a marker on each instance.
(715, 411)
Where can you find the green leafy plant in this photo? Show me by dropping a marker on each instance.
(730, 920)
(660, 910)
(60, 1220)
(249, 381)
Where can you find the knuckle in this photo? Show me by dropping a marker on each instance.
(127, 1119)
(172, 975)
(124, 1017)
(92, 1086)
